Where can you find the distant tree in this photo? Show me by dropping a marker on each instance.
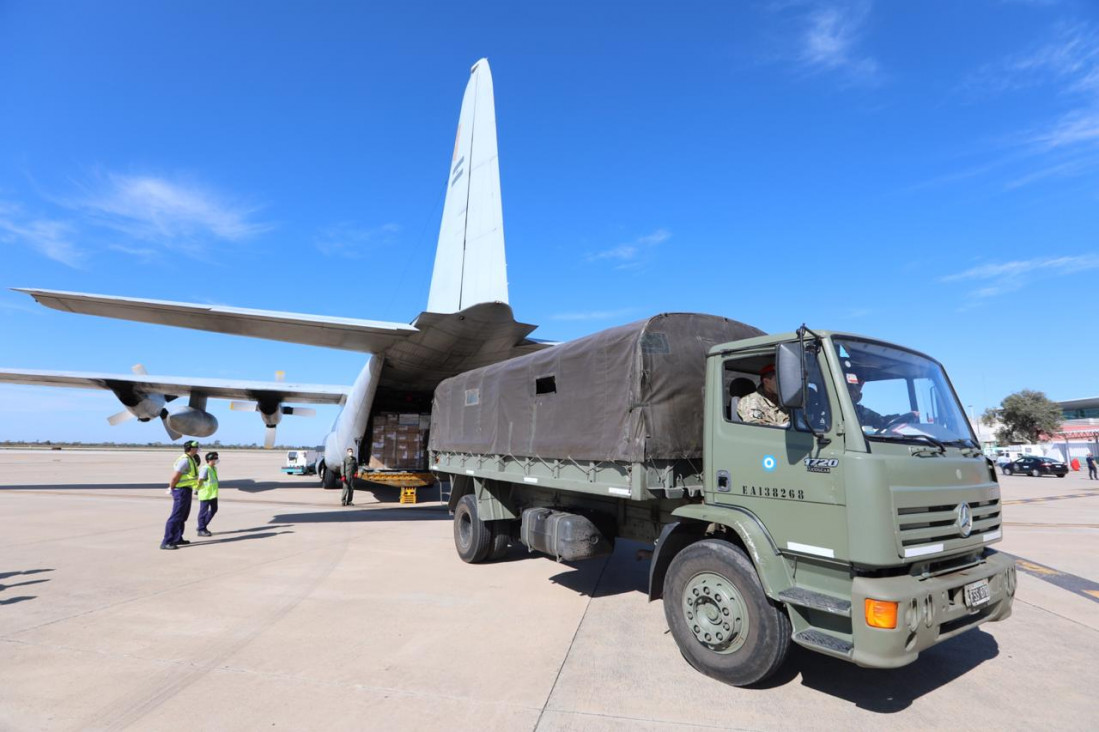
(1024, 416)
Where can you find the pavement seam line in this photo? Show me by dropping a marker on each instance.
(113, 719)
(241, 670)
(1059, 615)
(568, 651)
(658, 721)
(173, 588)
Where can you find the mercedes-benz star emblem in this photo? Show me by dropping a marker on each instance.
(965, 520)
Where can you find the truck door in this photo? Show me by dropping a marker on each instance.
(783, 475)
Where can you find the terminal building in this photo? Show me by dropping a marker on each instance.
(1079, 435)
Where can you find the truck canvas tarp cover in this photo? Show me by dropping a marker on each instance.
(631, 393)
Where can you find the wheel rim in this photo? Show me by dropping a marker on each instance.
(465, 529)
(715, 612)
(1034, 473)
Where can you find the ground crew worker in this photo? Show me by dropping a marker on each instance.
(207, 493)
(761, 406)
(350, 467)
(183, 483)
(1092, 473)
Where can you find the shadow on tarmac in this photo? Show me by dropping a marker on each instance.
(423, 512)
(21, 573)
(245, 485)
(248, 485)
(84, 486)
(5, 575)
(887, 691)
(229, 539)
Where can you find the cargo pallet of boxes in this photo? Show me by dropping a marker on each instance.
(398, 452)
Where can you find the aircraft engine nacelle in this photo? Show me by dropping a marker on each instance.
(148, 407)
(188, 420)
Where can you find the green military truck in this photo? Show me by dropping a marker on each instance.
(860, 529)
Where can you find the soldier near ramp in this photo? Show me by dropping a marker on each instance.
(350, 467)
(761, 406)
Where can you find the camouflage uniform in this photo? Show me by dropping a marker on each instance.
(756, 408)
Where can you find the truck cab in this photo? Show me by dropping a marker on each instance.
(874, 496)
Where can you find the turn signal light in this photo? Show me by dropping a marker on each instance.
(881, 614)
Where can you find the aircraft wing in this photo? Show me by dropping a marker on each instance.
(348, 334)
(181, 386)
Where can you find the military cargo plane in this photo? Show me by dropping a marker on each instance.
(468, 322)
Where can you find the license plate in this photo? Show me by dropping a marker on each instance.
(977, 593)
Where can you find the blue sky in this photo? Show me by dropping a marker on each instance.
(926, 173)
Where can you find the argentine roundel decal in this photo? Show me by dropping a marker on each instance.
(769, 463)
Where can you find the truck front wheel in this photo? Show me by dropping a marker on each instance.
(472, 537)
(720, 617)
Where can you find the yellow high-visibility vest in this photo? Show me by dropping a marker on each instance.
(189, 478)
(208, 488)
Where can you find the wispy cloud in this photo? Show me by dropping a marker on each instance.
(1065, 63)
(831, 40)
(1069, 56)
(355, 242)
(594, 315)
(631, 254)
(1010, 276)
(173, 214)
(49, 237)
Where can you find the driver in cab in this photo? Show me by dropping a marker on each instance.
(761, 406)
(868, 418)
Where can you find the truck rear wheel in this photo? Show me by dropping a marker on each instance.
(720, 617)
(472, 536)
(501, 540)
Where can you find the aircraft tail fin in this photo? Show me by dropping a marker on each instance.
(470, 267)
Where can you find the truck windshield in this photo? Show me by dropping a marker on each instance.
(899, 395)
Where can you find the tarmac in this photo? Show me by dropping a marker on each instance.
(299, 613)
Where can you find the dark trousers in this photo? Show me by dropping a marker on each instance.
(181, 509)
(1092, 473)
(348, 490)
(206, 511)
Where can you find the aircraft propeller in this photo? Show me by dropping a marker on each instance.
(144, 407)
(271, 411)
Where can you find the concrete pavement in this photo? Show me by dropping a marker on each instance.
(301, 614)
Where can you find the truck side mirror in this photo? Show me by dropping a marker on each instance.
(789, 368)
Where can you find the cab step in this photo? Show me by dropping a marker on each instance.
(816, 601)
(818, 640)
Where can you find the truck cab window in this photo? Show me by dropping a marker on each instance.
(738, 385)
(901, 396)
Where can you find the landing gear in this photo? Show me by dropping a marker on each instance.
(329, 481)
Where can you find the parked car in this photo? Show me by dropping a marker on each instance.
(1036, 467)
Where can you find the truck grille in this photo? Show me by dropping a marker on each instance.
(925, 528)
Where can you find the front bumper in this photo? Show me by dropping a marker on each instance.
(930, 610)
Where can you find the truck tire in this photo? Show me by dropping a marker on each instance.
(501, 540)
(721, 619)
(472, 536)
